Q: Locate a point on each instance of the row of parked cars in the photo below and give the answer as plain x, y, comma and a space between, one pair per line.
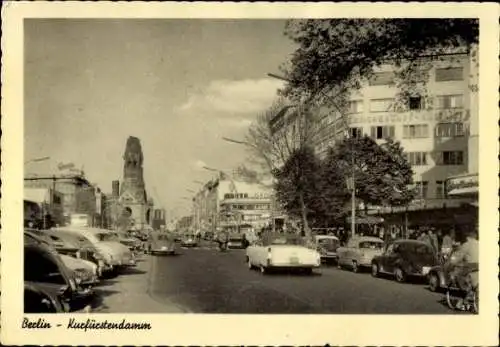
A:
401, 259
63, 265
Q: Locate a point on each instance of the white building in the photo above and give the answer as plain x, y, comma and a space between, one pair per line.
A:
436, 125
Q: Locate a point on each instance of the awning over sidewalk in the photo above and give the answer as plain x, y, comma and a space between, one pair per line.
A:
37, 195
366, 220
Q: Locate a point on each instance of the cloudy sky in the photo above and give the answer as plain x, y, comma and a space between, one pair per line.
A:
178, 85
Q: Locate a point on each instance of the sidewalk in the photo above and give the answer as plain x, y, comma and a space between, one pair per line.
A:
128, 292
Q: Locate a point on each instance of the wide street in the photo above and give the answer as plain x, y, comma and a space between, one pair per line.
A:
204, 280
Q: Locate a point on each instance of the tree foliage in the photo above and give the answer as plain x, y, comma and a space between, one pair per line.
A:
339, 53
382, 174
298, 182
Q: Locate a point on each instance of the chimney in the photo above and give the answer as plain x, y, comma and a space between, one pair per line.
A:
115, 188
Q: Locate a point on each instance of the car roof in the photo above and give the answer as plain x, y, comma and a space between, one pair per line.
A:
366, 238
326, 237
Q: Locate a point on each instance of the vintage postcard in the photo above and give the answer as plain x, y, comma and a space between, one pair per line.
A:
249, 173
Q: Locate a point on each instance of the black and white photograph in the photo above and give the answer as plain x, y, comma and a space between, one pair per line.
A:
271, 166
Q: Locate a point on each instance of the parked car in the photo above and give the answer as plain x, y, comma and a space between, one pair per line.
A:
359, 252
44, 267
161, 243
85, 272
133, 243
78, 246
38, 300
189, 241
285, 251
115, 253
405, 258
327, 246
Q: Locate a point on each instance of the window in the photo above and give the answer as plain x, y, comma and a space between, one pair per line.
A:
382, 132
449, 74
382, 78
440, 189
422, 189
416, 158
449, 101
449, 129
355, 132
415, 131
415, 103
450, 158
356, 106
381, 105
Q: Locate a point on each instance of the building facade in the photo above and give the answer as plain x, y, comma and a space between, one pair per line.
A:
435, 122
232, 204
77, 193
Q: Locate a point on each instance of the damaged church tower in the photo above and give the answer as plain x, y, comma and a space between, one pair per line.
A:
133, 197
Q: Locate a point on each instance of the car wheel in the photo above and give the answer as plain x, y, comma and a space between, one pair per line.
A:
433, 282
400, 275
355, 267
375, 272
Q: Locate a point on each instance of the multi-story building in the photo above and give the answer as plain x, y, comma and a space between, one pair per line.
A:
78, 194
232, 204
436, 124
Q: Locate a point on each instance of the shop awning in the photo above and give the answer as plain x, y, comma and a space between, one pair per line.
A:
37, 195
464, 191
366, 220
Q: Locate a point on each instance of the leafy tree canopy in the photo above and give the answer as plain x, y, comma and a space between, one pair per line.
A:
382, 174
297, 182
338, 53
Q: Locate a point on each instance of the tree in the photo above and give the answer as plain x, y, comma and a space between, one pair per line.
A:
339, 53
330, 205
382, 174
297, 184
281, 130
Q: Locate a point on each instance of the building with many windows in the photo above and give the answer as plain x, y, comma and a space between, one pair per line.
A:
435, 122
232, 204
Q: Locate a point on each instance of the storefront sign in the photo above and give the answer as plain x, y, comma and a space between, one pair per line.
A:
468, 184
410, 117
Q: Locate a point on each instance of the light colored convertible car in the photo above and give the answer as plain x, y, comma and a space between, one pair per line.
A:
285, 251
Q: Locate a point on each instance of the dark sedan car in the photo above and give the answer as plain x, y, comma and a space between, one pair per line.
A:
405, 258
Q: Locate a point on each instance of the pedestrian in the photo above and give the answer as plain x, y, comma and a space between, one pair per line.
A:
433, 240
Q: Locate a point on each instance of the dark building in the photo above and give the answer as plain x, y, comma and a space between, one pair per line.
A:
133, 195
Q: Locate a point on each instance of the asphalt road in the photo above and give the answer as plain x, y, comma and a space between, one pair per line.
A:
204, 280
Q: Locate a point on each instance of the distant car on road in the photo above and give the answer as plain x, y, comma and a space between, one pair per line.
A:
236, 241
327, 246
161, 243
285, 251
405, 258
359, 252
189, 241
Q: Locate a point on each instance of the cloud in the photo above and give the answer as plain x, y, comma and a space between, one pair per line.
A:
232, 97
199, 164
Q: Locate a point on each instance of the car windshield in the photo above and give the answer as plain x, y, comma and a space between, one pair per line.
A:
371, 245
328, 244
286, 241
107, 237
422, 249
